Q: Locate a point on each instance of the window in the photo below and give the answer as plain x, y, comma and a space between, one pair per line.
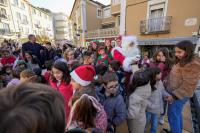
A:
115, 2
99, 13
16, 2
25, 20
107, 13
3, 2
22, 5
155, 17
18, 16
3, 13
118, 20
6, 27
34, 11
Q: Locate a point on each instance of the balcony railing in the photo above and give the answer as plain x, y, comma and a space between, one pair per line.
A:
103, 33
155, 25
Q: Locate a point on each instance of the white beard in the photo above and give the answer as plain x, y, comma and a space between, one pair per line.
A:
131, 51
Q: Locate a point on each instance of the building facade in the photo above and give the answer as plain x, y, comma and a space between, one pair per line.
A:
62, 28
93, 21
161, 23
18, 18
156, 23
6, 22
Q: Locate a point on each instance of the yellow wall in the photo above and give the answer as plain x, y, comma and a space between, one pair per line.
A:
115, 9
108, 20
179, 10
93, 22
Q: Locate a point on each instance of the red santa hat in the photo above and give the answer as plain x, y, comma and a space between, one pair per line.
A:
83, 75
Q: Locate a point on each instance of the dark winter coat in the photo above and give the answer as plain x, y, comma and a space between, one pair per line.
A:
114, 106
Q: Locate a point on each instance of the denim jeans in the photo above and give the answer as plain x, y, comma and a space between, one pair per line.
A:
153, 119
175, 115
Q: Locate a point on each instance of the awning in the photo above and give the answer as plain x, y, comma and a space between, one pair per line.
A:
167, 41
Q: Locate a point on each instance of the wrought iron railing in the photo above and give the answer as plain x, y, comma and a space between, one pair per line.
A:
156, 25
101, 33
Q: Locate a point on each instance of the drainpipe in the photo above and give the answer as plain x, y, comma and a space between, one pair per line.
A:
83, 19
123, 18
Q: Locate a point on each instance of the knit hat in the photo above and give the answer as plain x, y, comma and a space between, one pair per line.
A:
83, 75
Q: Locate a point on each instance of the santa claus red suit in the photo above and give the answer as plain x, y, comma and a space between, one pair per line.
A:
128, 53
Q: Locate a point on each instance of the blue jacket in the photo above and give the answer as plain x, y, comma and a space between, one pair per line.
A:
114, 106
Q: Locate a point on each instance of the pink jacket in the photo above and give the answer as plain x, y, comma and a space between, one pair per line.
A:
67, 91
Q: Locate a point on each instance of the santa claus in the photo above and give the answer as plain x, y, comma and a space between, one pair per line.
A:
126, 52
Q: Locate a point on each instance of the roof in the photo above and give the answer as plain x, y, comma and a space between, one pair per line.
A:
96, 2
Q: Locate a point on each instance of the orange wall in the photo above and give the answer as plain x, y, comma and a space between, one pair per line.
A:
179, 12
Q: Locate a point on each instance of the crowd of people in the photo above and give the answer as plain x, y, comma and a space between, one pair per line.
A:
52, 89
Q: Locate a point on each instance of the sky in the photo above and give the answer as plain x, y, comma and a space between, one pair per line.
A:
60, 5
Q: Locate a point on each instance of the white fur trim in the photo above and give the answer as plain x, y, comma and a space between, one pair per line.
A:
78, 79
128, 62
118, 49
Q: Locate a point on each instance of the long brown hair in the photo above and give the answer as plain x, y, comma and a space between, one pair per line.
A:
165, 51
85, 113
189, 49
31, 108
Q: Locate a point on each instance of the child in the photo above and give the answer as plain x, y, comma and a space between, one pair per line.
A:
41, 78
82, 78
7, 75
103, 57
155, 102
115, 66
145, 62
27, 76
31, 60
47, 73
83, 113
88, 58
60, 80
31, 108
16, 77
110, 98
100, 70
21, 64
162, 60
182, 82
7, 59
141, 85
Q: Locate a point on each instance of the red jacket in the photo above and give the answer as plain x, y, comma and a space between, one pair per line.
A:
8, 60
67, 91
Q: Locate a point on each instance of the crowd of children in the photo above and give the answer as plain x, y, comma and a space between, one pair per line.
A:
90, 88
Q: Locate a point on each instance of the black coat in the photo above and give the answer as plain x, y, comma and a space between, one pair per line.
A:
35, 48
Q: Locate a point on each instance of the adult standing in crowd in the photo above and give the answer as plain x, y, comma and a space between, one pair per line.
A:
182, 83
34, 47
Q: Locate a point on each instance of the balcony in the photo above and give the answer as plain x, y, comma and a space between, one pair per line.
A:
103, 33
156, 25
4, 16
